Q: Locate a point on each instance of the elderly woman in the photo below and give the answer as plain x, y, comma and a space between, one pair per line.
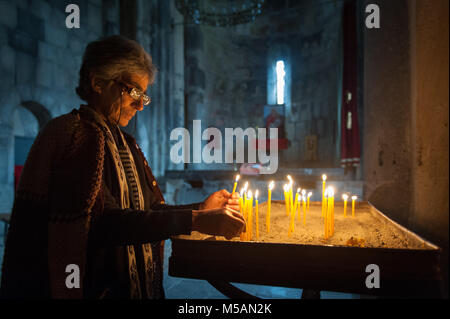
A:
89, 220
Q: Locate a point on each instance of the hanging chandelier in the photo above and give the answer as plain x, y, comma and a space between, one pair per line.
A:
219, 13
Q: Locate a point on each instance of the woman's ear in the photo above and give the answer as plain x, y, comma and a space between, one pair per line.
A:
95, 84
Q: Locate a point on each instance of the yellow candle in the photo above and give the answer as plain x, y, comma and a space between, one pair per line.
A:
246, 202
241, 201
247, 215
271, 185
242, 207
329, 217
345, 198
296, 199
250, 215
286, 198
235, 183
291, 224
292, 217
245, 187
353, 205
304, 209
256, 214
291, 196
307, 206
330, 211
324, 178
297, 207
332, 215
325, 223
304, 205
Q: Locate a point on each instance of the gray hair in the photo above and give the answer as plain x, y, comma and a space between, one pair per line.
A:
109, 59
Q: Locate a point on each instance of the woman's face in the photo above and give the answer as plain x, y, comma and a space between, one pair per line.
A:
118, 99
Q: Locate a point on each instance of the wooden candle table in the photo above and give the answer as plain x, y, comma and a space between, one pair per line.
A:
408, 266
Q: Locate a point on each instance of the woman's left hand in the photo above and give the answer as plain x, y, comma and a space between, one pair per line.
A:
222, 199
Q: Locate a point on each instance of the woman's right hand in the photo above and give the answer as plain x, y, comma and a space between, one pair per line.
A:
218, 222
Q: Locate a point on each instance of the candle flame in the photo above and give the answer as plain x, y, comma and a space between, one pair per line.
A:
290, 181
241, 192
271, 185
237, 177
309, 194
245, 186
324, 177
285, 187
354, 197
345, 197
298, 190
250, 194
303, 192
330, 191
256, 194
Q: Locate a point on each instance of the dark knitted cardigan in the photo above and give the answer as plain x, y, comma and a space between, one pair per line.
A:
59, 195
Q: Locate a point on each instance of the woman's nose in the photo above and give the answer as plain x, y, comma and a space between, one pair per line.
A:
139, 105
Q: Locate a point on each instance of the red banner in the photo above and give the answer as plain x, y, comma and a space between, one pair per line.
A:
350, 144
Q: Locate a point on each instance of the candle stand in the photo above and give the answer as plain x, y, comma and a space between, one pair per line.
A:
403, 273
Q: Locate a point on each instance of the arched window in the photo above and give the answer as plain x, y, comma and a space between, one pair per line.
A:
281, 83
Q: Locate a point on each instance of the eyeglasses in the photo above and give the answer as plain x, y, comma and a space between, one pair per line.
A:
135, 93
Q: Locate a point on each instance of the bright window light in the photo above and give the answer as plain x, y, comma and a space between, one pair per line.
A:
280, 81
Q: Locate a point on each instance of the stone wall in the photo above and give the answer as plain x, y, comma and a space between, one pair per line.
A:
387, 111
40, 60
163, 33
227, 75
406, 135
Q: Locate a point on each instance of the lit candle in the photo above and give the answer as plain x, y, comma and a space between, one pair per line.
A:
235, 183
245, 187
353, 205
241, 207
325, 223
241, 202
291, 196
345, 198
256, 214
246, 202
309, 196
330, 207
304, 209
291, 225
297, 208
250, 215
296, 199
304, 204
324, 178
286, 199
271, 185
332, 214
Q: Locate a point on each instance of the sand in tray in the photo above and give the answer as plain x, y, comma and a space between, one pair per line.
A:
367, 229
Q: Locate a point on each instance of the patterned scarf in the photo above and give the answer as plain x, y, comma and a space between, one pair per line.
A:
126, 170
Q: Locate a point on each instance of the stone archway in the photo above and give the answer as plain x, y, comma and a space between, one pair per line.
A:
28, 119
39, 111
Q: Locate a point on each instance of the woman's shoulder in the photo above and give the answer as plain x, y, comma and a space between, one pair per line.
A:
69, 131
67, 124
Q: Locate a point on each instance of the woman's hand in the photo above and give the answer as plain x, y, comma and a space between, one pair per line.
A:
218, 222
221, 199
